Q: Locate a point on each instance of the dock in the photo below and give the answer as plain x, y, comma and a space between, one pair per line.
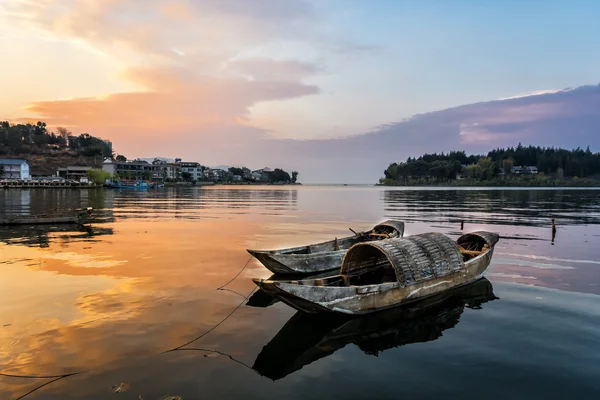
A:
42, 184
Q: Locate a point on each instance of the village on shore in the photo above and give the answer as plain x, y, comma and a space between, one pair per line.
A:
31, 156
120, 172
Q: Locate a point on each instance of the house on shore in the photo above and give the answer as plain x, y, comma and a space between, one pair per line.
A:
517, 170
75, 173
136, 169
192, 168
14, 169
216, 174
528, 169
262, 175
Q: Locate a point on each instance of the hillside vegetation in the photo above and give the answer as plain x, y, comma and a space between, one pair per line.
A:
553, 166
45, 151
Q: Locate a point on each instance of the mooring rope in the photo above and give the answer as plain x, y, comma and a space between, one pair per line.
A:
238, 274
216, 326
55, 378
39, 376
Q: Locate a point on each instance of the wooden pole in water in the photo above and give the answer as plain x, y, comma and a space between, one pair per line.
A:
553, 231
462, 224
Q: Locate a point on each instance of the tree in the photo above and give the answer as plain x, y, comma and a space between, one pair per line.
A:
294, 176
279, 175
147, 175
98, 176
121, 158
507, 165
64, 133
1, 171
236, 171
186, 176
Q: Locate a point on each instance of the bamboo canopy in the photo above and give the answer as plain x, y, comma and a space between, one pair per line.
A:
416, 258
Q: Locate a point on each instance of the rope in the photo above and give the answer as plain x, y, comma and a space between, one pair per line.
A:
238, 274
41, 386
40, 376
55, 378
221, 353
216, 326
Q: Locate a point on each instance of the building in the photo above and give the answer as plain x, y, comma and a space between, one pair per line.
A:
173, 172
237, 178
73, 173
160, 170
137, 169
192, 168
516, 170
247, 173
216, 174
14, 169
531, 169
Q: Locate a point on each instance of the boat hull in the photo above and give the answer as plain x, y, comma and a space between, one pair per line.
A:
317, 257
312, 298
299, 263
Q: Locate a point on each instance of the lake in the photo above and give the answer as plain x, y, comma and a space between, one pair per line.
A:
103, 313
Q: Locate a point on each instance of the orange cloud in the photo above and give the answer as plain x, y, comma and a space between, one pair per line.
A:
175, 98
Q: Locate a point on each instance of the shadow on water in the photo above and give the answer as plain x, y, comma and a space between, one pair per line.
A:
306, 338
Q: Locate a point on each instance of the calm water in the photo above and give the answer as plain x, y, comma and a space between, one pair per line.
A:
107, 304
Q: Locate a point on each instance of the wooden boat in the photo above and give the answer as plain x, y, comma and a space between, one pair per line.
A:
325, 256
386, 273
306, 338
80, 218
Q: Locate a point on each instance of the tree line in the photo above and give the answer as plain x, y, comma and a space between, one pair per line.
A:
17, 139
551, 163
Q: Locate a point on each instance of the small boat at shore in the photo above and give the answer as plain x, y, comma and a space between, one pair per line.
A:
127, 184
80, 218
325, 256
382, 274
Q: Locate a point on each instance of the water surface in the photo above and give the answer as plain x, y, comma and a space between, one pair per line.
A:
108, 303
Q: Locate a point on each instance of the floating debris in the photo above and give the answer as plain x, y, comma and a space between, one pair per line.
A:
169, 397
122, 387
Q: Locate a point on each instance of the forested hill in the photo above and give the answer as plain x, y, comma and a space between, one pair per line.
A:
46, 150
514, 165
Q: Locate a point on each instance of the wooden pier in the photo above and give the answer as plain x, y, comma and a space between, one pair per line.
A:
43, 184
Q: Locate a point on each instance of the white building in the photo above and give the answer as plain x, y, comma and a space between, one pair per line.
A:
192, 168
14, 169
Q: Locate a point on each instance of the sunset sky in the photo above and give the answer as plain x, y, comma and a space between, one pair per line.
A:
327, 87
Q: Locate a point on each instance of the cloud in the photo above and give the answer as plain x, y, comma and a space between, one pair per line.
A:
172, 99
199, 68
269, 69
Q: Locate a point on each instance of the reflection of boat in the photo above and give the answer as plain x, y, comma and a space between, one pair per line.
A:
322, 256
81, 217
306, 338
42, 235
387, 273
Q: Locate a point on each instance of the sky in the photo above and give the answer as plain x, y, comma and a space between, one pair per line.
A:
335, 89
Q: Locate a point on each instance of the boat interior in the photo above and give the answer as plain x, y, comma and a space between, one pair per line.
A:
377, 233
368, 265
